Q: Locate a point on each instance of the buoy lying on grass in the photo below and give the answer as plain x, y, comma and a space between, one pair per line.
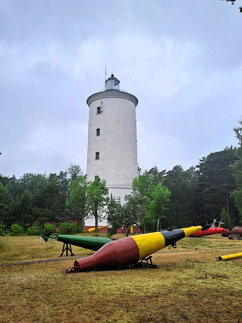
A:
92, 243
228, 257
212, 230
93, 229
234, 234
130, 250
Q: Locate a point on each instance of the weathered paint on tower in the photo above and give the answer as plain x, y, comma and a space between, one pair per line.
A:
112, 138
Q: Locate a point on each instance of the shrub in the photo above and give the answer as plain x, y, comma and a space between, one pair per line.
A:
2, 229
49, 228
66, 227
35, 230
16, 230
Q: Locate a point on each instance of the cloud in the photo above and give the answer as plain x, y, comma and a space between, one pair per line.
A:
181, 59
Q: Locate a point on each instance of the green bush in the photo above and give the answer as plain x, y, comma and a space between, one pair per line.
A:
16, 230
49, 228
66, 227
35, 230
2, 229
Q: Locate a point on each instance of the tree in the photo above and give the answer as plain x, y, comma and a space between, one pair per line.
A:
49, 197
225, 218
76, 200
74, 171
238, 133
158, 177
145, 204
131, 212
215, 184
35, 197
181, 183
237, 174
2, 229
137, 202
96, 199
3, 197
135, 210
26, 217
29, 181
144, 184
4, 202
160, 199
237, 192
115, 214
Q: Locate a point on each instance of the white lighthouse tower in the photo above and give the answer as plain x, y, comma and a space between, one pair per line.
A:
112, 138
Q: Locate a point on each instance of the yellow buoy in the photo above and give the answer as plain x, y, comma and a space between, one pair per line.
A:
93, 229
227, 257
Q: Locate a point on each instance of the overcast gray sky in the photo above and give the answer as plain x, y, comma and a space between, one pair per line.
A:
182, 59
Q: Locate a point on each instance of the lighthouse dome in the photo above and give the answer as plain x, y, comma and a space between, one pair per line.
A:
112, 83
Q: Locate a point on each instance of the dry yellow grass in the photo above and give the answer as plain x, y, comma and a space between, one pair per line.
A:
189, 286
21, 248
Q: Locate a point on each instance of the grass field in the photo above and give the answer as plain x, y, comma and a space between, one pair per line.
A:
189, 285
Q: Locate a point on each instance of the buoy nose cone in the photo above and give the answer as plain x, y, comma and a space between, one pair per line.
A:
191, 230
85, 263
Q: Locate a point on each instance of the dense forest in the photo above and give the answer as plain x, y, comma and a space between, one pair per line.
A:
163, 199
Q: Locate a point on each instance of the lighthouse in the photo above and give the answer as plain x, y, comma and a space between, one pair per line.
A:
112, 139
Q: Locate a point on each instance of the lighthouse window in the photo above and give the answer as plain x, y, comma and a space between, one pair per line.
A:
98, 110
98, 132
117, 199
97, 155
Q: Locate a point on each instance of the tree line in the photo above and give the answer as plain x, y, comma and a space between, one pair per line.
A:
160, 199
